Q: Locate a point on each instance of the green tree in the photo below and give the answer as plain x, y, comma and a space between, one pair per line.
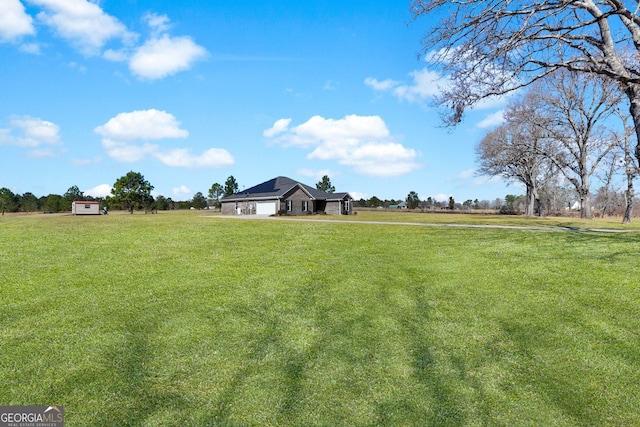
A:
171, 205
375, 202
199, 201
230, 186
8, 200
161, 203
325, 185
55, 203
412, 200
74, 193
452, 203
28, 202
510, 206
133, 191
215, 192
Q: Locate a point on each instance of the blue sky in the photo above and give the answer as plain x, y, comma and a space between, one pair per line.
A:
188, 93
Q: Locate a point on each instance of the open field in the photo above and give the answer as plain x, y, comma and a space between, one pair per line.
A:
182, 319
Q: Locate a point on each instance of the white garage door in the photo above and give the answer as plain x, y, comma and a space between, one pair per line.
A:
266, 208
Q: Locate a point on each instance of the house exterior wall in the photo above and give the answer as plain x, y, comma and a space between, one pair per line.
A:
243, 207
337, 207
333, 208
299, 199
240, 207
228, 208
296, 200
248, 206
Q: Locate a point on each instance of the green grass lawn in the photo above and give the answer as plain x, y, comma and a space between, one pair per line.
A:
180, 319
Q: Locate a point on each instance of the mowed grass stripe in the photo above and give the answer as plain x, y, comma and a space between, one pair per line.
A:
175, 319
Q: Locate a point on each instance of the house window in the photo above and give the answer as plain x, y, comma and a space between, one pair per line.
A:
305, 205
87, 206
289, 205
346, 206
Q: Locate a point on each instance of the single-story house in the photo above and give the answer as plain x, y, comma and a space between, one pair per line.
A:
401, 205
282, 194
82, 207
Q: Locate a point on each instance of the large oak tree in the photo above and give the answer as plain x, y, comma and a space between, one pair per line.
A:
133, 191
492, 47
514, 151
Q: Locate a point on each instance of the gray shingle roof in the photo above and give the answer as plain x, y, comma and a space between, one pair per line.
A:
278, 187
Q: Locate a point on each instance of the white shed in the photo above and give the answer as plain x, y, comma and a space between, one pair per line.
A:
82, 207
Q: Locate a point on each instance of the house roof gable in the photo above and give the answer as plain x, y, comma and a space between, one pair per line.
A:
280, 186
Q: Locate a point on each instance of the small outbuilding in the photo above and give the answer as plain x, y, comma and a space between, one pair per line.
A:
83, 207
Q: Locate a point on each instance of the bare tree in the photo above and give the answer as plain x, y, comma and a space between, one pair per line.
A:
514, 151
606, 196
630, 168
492, 47
574, 109
556, 195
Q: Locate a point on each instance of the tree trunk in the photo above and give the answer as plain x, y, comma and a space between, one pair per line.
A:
530, 202
540, 207
585, 206
633, 93
628, 195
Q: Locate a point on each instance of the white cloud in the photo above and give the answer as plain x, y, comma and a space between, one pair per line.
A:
469, 173
125, 139
441, 197
158, 23
493, 102
83, 23
119, 55
182, 157
142, 125
127, 152
14, 21
315, 174
341, 133
384, 85
358, 195
101, 190
492, 120
182, 191
35, 131
32, 48
38, 136
278, 127
361, 142
165, 56
425, 84
90, 30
